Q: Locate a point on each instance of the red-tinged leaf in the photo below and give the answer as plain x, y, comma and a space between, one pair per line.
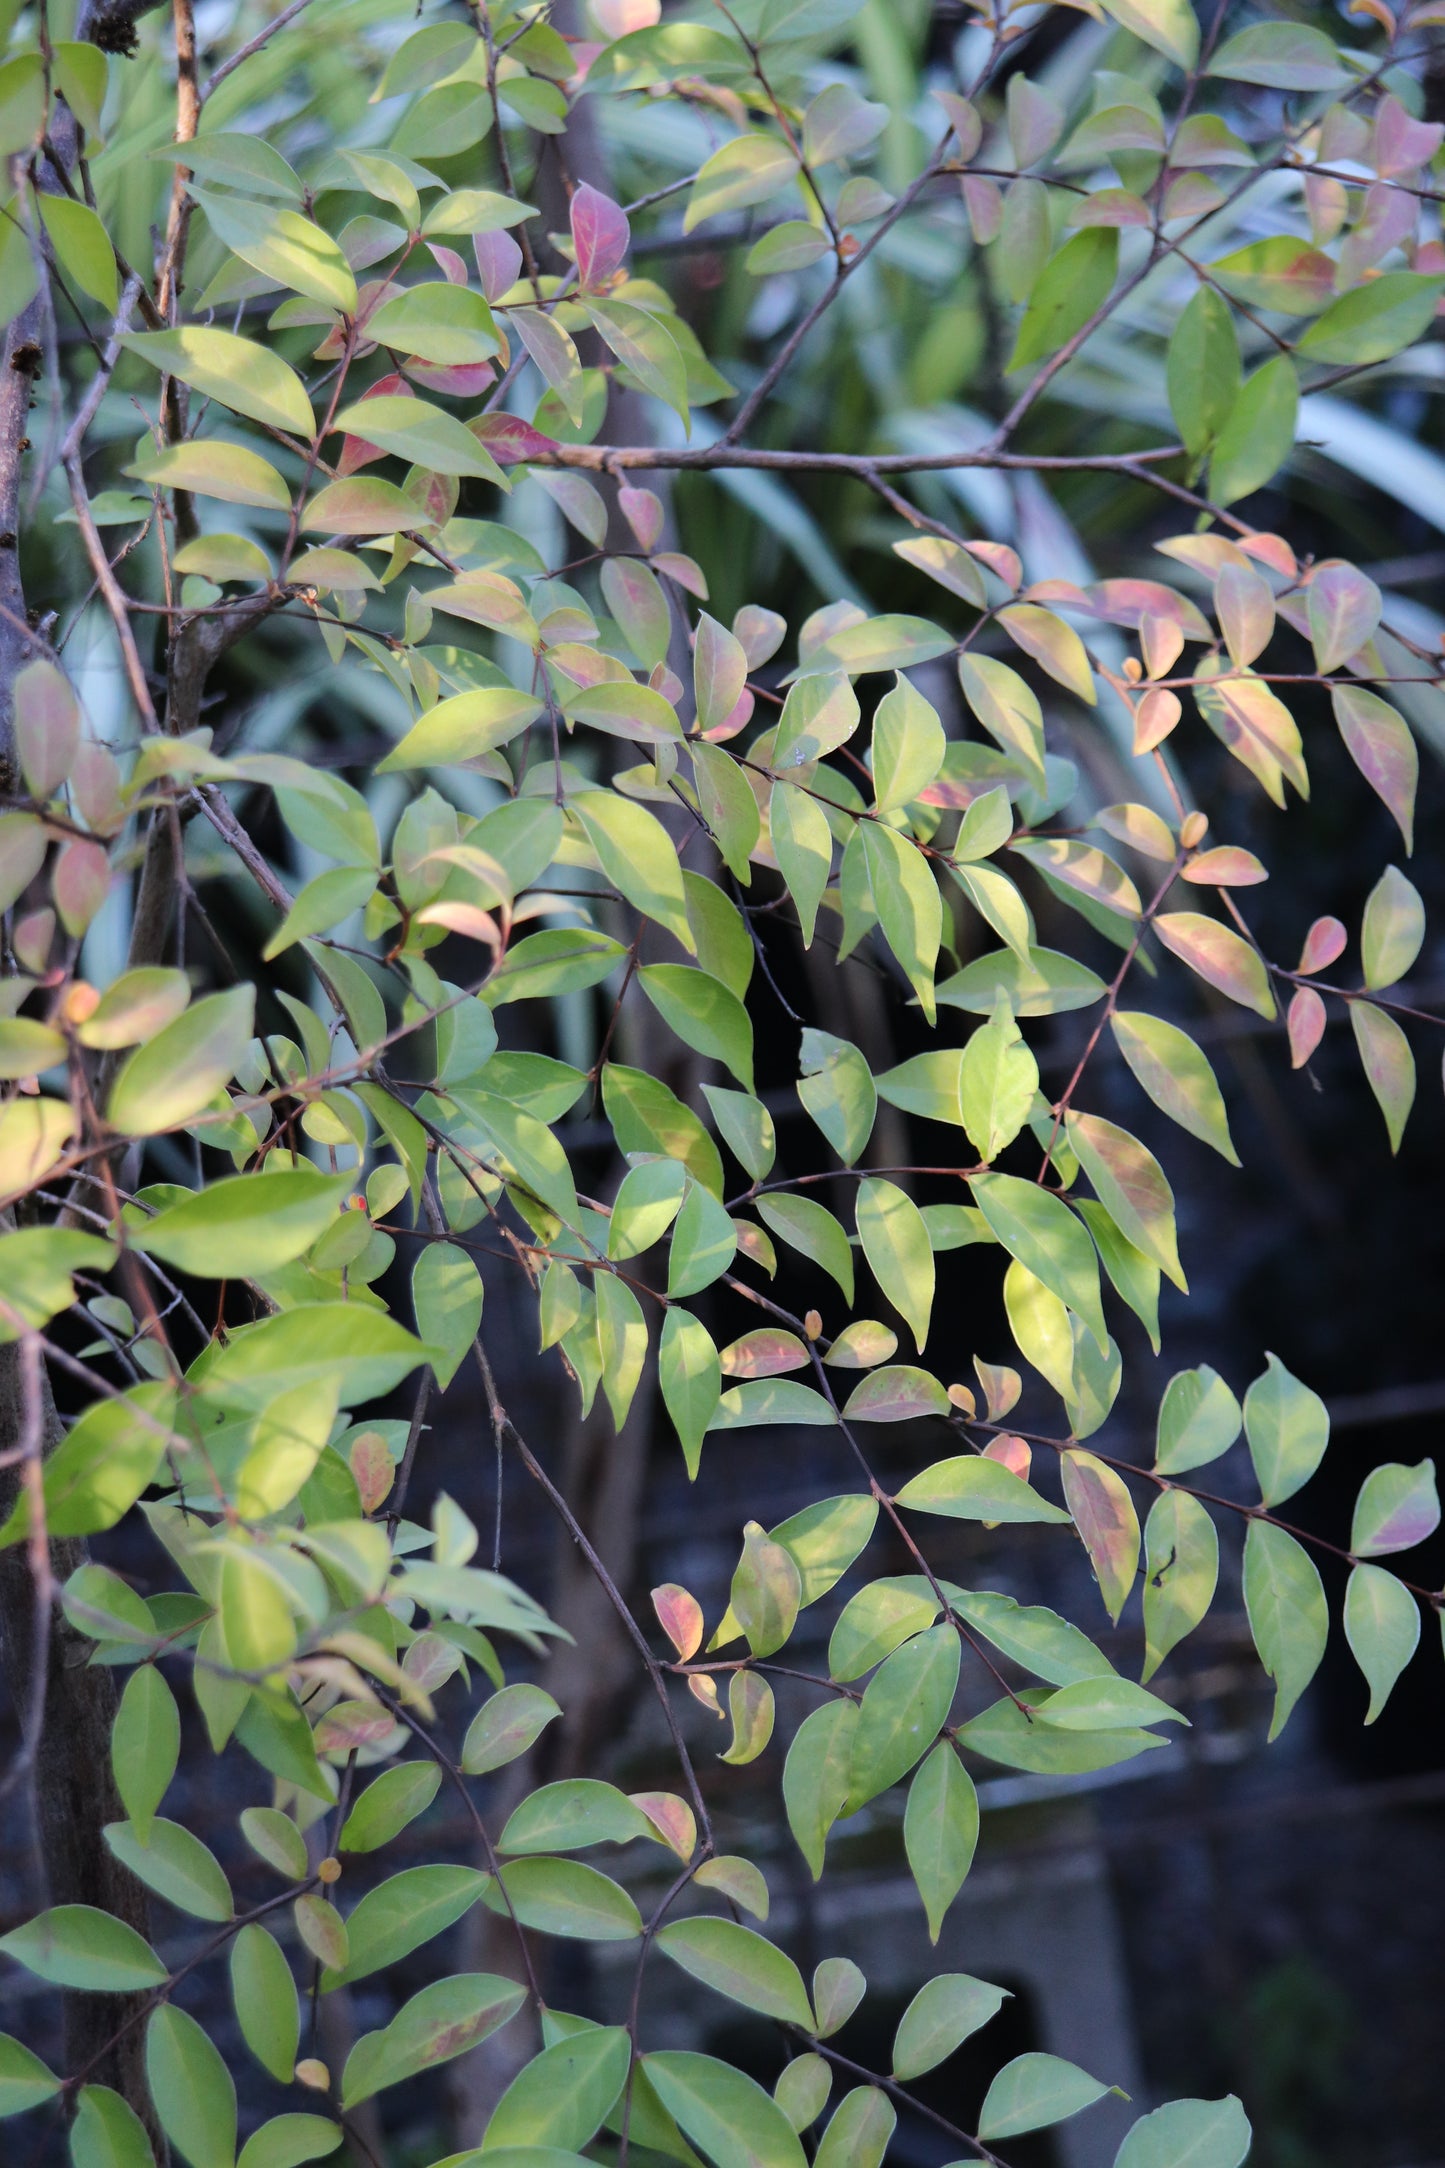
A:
642, 510
1271, 550
1306, 1022
1219, 956
453, 379
1388, 1063
1323, 943
680, 1616
509, 439
1381, 745
671, 1817
1397, 1508
766, 1353
1011, 1452
1055, 646
1244, 605
1161, 643
449, 263
1258, 729
499, 262
1131, 1185
1344, 612
600, 234
1126, 602
1225, 867
1154, 718
356, 451
1003, 562
1001, 1387
80, 883
983, 201
1103, 1512
719, 673
898, 1394
373, 1467
47, 726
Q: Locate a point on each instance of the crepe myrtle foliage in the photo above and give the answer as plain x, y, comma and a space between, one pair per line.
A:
308, 315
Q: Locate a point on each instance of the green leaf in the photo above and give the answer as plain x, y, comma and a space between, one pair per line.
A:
997, 1080
79, 1946
400, 1914
437, 322
741, 1964
363, 1351
192, 2089
691, 1380
566, 1897
1032, 1636
1039, 1230
565, 1816
465, 726
287, 249
1033, 2091
748, 169
1075, 282
1171, 27
173, 1861
288, 2140
910, 910
564, 2095
838, 1091
803, 2087
444, 2020
506, 1726
170, 1079
1103, 1512
145, 1745
811, 1228
647, 1117
1382, 1626
1281, 56
446, 1294
1288, 1428
904, 1707
1199, 1418
972, 1488
1010, 713
1388, 1064
898, 1394
1393, 929
107, 2132
895, 1242
1181, 1572
245, 1227
1176, 1076
728, 805
247, 378
859, 2130
908, 746
388, 1804
726, 2113
940, 1833
1397, 1508
1376, 320
82, 247
942, 2015
803, 846
1188, 2134
1013, 1736
420, 433
1259, 435
705, 1015
1047, 984
1288, 1616
637, 856
24, 2079
816, 1777
766, 1591
1131, 1186
264, 1993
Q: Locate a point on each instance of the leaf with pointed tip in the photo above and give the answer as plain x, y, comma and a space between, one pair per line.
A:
1288, 1615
